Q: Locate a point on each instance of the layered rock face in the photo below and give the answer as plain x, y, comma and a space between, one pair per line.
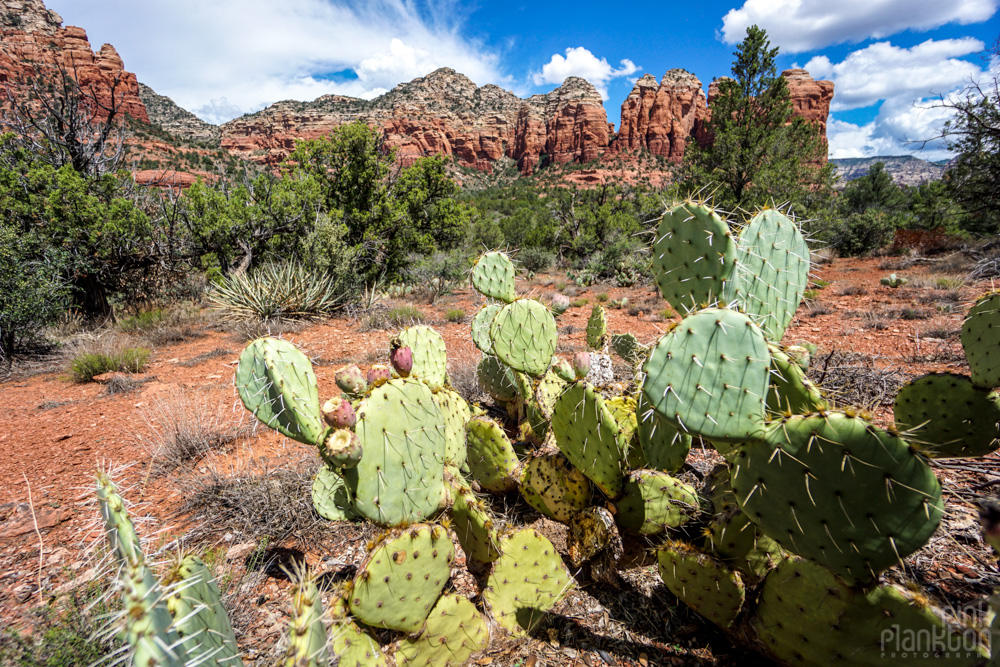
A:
810, 99
33, 41
177, 121
662, 117
441, 113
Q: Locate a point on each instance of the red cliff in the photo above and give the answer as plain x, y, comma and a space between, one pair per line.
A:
661, 118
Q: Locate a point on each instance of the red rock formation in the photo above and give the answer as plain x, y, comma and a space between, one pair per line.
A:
33, 42
810, 99
662, 117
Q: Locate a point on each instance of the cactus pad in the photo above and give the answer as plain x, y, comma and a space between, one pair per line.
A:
400, 478
277, 384
837, 490
430, 358
330, 496
732, 536
481, 324
702, 582
772, 271
628, 347
524, 336
663, 446
454, 631
592, 531
981, 341
587, 434
493, 276
805, 616
353, 646
554, 487
306, 631
455, 413
491, 458
597, 327
200, 619
791, 391
693, 256
474, 526
946, 416
496, 378
527, 580
709, 376
402, 577
654, 501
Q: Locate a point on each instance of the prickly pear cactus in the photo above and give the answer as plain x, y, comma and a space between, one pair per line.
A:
693, 256
474, 525
790, 391
524, 336
402, 578
496, 378
981, 341
837, 490
430, 358
306, 632
772, 271
454, 632
705, 584
194, 601
400, 478
527, 580
455, 413
805, 616
628, 347
493, 276
663, 446
709, 376
330, 496
277, 384
946, 416
654, 501
587, 434
597, 328
353, 646
554, 487
481, 324
490, 456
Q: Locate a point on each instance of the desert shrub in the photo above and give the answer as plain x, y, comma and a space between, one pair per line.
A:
864, 233
437, 274
142, 321
398, 317
455, 315
86, 365
273, 292
536, 259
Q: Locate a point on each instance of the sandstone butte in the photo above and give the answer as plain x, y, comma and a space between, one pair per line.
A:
441, 113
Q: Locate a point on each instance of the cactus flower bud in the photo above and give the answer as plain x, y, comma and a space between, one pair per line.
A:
342, 449
402, 360
350, 380
378, 374
581, 364
339, 413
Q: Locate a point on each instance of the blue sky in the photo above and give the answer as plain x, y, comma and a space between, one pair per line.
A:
222, 58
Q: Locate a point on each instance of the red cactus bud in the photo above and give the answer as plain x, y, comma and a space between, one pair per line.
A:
378, 374
581, 364
350, 380
339, 413
402, 360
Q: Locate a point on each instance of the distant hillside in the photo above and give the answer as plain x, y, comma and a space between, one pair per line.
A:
177, 121
904, 169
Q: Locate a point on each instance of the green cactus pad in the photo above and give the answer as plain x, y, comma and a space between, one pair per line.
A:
790, 391
554, 487
705, 584
663, 446
592, 531
693, 256
837, 490
548, 391
277, 384
353, 646
481, 324
402, 577
454, 632
709, 376
474, 526
527, 580
772, 271
946, 416
490, 456
430, 358
306, 631
731, 536
654, 501
330, 496
400, 478
805, 616
200, 619
493, 276
587, 434
455, 413
629, 348
981, 341
496, 378
622, 408
524, 336
597, 327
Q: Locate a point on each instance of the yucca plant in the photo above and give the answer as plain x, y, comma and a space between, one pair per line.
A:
277, 291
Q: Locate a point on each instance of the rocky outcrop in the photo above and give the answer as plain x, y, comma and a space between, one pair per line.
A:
810, 99
662, 118
177, 121
441, 113
33, 42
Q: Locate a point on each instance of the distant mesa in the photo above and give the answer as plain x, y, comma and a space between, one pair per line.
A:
441, 113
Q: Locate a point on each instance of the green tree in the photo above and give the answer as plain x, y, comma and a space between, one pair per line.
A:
874, 190
759, 151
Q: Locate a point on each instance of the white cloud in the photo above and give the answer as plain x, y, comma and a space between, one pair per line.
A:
581, 62
227, 57
900, 128
883, 71
806, 25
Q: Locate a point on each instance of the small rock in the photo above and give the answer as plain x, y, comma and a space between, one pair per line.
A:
240, 551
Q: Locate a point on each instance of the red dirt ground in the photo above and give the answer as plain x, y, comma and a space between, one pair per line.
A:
54, 433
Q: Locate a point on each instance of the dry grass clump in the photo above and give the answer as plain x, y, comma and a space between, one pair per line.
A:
91, 355
857, 379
